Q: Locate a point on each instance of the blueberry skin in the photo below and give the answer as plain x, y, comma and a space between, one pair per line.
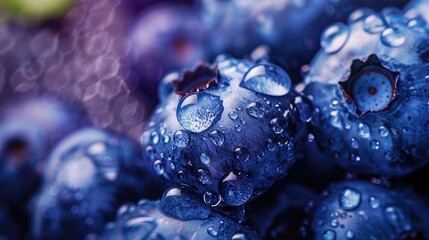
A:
88, 176
390, 141
356, 209
180, 214
252, 140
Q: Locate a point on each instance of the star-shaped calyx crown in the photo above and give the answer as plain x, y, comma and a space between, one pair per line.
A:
202, 77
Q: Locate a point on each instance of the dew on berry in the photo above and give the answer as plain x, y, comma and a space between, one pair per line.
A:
334, 37
267, 79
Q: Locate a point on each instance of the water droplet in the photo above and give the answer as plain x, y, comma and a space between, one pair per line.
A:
359, 14
374, 23
375, 144
267, 79
181, 139
139, 227
354, 143
270, 145
211, 198
205, 159
237, 128
417, 24
238, 236
242, 121
364, 130
275, 126
255, 109
305, 108
393, 36
335, 223
354, 157
150, 152
212, 231
396, 217
198, 111
374, 202
154, 138
349, 199
383, 131
217, 138
334, 37
329, 235
203, 176
166, 85
233, 115
158, 166
235, 189
350, 234
241, 154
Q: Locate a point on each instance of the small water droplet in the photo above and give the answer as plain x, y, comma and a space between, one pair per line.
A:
354, 157
158, 166
374, 202
335, 223
364, 130
237, 128
235, 188
396, 217
267, 79
205, 159
216, 137
275, 126
329, 235
241, 154
334, 37
154, 138
212, 231
255, 109
375, 144
238, 236
233, 115
270, 145
198, 111
203, 176
181, 139
374, 23
393, 36
350, 234
359, 14
305, 108
383, 131
349, 199
211, 198
354, 143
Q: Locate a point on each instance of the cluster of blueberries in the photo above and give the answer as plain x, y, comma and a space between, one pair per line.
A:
285, 140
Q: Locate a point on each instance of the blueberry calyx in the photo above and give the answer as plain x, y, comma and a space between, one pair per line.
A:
202, 77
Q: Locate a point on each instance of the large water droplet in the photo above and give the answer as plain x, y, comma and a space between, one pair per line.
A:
255, 109
198, 111
349, 199
374, 23
329, 235
267, 79
235, 189
393, 36
334, 37
241, 154
216, 137
181, 139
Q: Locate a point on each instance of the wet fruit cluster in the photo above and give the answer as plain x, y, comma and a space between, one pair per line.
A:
211, 119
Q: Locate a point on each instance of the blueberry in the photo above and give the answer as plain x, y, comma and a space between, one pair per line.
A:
372, 101
233, 137
165, 38
357, 209
278, 213
180, 214
88, 175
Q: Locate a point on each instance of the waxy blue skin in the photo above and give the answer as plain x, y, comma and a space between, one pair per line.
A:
370, 219
88, 176
180, 214
263, 168
337, 122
